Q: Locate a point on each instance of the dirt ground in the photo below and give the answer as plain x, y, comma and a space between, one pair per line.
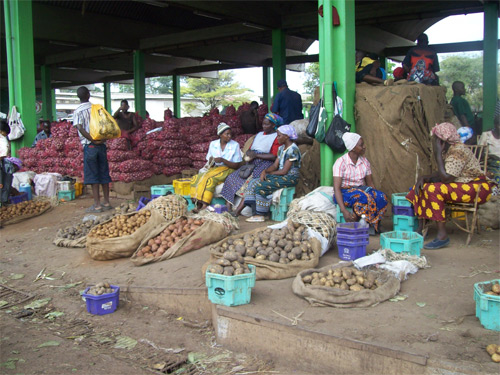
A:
436, 319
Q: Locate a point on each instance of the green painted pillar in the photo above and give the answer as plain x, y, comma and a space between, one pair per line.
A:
107, 97
47, 93
176, 87
53, 104
21, 66
139, 83
337, 49
490, 63
266, 86
279, 58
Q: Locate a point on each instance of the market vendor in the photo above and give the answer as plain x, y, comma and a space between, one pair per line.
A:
261, 155
44, 134
126, 120
284, 173
458, 180
223, 157
491, 139
353, 181
5, 167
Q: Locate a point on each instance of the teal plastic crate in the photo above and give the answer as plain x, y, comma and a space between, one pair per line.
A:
67, 195
287, 195
487, 306
218, 200
278, 213
399, 199
230, 290
340, 215
190, 204
402, 242
162, 189
403, 223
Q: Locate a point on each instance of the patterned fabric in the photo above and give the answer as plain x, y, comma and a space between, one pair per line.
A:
460, 162
231, 152
81, 116
494, 167
488, 139
430, 203
292, 153
366, 201
203, 184
352, 174
447, 132
288, 130
274, 118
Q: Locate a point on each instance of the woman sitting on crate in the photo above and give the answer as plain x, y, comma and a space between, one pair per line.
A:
353, 181
260, 156
282, 174
457, 180
223, 157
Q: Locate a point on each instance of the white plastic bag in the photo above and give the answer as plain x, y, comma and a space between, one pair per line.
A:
16, 125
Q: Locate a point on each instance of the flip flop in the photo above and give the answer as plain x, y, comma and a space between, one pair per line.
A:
93, 209
106, 207
256, 219
436, 244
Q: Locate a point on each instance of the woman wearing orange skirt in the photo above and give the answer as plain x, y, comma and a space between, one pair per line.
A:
458, 180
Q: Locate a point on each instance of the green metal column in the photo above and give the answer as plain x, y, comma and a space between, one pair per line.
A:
47, 93
266, 86
279, 58
337, 49
176, 86
139, 83
21, 65
53, 105
490, 63
107, 96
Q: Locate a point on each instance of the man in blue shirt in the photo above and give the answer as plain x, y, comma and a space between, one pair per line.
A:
44, 134
287, 103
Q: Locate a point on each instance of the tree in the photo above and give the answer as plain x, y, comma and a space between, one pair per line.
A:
160, 85
215, 92
312, 77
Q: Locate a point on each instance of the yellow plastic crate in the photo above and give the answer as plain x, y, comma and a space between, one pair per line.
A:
182, 186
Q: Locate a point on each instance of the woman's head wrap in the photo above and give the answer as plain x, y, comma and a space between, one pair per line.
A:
288, 130
15, 161
274, 118
465, 133
350, 140
222, 128
447, 132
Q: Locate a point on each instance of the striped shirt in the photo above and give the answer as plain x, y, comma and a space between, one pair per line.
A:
352, 174
82, 116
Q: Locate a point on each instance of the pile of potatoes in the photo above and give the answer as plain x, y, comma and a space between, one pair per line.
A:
494, 351
231, 263
276, 245
100, 289
175, 232
345, 278
22, 209
120, 226
495, 290
81, 230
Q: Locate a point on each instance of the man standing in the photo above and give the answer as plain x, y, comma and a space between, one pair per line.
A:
126, 120
287, 103
421, 63
250, 119
95, 161
44, 134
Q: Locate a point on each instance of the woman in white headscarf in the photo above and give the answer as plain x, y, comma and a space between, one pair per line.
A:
353, 181
223, 157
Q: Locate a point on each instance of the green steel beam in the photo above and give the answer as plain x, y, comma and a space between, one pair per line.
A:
107, 96
139, 83
490, 63
279, 58
266, 86
47, 93
21, 65
336, 56
176, 86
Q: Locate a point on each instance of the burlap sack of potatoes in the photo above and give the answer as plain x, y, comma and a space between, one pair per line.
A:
125, 246
267, 270
18, 219
209, 232
64, 242
318, 295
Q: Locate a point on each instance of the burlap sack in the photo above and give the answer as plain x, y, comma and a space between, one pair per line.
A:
300, 127
122, 247
334, 297
64, 242
267, 270
310, 169
18, 219
208, 233
171, 206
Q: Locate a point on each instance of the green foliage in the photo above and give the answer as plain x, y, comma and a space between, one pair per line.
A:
215, 92
160, 85
312, 77
389, 68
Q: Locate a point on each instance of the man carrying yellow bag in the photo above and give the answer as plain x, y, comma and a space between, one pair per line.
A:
93, 130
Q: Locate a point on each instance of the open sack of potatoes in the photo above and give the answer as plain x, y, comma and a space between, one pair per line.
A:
76, 235
120, 236
342, 285
21, 211
177, 237
276, 253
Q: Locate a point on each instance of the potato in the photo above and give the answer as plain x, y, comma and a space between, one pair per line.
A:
283, 260
496, 288
337, 279
215, 268
344, 286
360, 280
260, 257
251, 252
239, 271
368, 284
356, 287
228, 270
315, 282
236, 264
495, 358
322, 280
241, 249
351, 281
491, 349
291, 256
346, 273
307, 279
223, 262
304, 256
274, 257
231, 255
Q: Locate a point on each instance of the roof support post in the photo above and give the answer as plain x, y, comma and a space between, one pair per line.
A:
139, 83
279, 58
336, 57
107, 96
48, 112
176, 88
490, 63
21, 65
266, 86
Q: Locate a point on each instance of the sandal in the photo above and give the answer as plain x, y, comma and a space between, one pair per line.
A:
106, 207
93, 209
437, 244
256, 219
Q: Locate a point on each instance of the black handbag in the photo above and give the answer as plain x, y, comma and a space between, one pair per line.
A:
338, 127
245, 171
313, 120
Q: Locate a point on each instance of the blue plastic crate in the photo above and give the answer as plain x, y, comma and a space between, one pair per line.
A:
340, 215
154, 196
402, 210
402, 242
15, 199
67, 195
399, 199
191, 205
230, 290
402, 223
219, 209
278, 213
143, 201
487, 306
162, 189
351, 250
103, 304
352, 229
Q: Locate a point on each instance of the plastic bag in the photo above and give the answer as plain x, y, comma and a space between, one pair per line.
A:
321, 129
333, 137
102, 125
16, 125
313, 120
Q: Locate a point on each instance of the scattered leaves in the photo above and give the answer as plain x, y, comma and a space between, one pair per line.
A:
49, 343
16, 276
125, 342
38, 303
